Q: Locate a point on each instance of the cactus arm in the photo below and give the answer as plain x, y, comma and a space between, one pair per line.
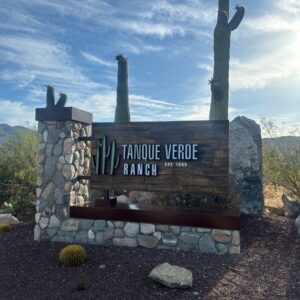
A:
62, 100
108, 152
98, 159
237, 18
117, 162
114, 159
50, 96
103, 156
94, 161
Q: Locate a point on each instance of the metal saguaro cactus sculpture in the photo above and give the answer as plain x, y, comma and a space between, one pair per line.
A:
122, 113
103, 153
50, 101
219, 82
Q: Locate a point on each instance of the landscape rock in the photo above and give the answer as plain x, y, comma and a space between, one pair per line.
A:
172, 276
222, 236
147, 228
125, 242
91, 235
169, 239
175, 229
222, 249
235, 237
147, 241
8, 219
157, 235
70, 225
44, 222
37, 233
108, 234
99, 225
81, 237
207, 244
54, 222
85, 224
190, 238
234, 250
291, 207
245, 165
131, 229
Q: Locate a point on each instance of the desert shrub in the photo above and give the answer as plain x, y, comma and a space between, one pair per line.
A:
18, 171
281, 157
5, 227
72, 255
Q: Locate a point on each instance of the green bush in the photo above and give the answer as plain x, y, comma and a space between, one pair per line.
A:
281, 157
5, 227
72, 255
18, 172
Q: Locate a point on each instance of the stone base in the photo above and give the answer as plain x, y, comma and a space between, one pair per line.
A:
129, 234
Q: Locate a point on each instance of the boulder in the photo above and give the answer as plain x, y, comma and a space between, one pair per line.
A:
291, 207
8, 219
172, 276
245, 165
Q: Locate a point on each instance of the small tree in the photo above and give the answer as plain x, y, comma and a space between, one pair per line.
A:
18, 171
281, 157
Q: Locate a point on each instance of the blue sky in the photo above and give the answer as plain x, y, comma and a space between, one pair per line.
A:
73, 44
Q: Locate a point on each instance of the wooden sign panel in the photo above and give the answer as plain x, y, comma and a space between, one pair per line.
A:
187, 156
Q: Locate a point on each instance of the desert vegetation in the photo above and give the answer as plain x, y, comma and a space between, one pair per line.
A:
18, 172
281, 157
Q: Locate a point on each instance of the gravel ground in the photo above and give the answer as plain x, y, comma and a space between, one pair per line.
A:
268, 268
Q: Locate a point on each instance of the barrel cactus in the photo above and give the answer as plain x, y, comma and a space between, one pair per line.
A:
72, 255
5, 227
219, 83
50, 100
122, 113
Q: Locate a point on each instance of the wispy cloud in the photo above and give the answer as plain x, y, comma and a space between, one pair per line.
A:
95, 59
40, 61
140, 100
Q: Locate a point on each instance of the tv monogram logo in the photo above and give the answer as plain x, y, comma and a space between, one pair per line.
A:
104, 152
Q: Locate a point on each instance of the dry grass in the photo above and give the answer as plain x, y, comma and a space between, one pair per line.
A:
273, 202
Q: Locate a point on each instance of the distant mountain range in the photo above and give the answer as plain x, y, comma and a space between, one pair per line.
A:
7, 130
282, 140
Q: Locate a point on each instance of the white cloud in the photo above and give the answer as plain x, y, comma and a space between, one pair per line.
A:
271, 24
278, 63
291, 7
16, 113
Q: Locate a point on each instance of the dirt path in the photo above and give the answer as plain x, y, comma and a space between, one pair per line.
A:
268, 268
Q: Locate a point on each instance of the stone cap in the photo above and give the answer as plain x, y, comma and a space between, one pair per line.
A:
63, 114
